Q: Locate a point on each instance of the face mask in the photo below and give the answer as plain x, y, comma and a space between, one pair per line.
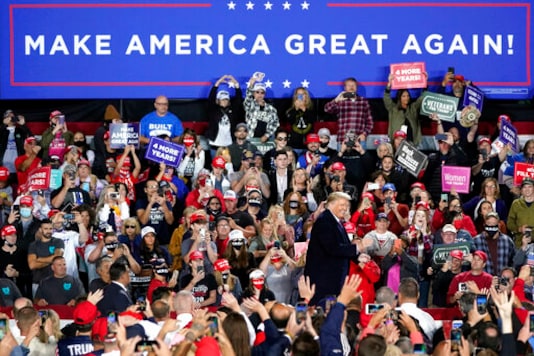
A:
25, 212
112, 246
162, 272
8, 244
189, 141
254, 202
324, 144
258, 283
213, 212
491, 229
293, 204
237, 243
79, 143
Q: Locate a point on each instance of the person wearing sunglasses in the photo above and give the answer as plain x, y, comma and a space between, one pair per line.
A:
281, 137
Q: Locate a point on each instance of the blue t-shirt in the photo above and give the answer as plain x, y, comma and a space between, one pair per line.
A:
152, 125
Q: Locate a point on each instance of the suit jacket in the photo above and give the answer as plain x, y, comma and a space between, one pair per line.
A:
328, 257
115, 299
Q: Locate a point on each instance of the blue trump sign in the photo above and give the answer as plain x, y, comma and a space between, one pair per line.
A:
138, 49
161, 151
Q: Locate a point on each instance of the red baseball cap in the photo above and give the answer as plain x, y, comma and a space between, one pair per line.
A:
312, 137
26, 200
218, 162
198, 216
484, 139
422, 205
505, 118
85, 313
459, 77
53, 212
400, 133
481, 254
418, 185
338, 166
368, 195
457, 254
8, 230
221, 265
196, 255
4, 174
55, 113
29, 140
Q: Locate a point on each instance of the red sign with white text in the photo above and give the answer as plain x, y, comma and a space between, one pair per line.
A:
39, 179
408, 75
521, 171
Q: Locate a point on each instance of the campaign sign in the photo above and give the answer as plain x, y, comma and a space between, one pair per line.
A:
442, 105
139, 49
56, 179
121, 135
522, 171
457, 177
508, 135
39, 179
409, 157
161, 151
474, 97
408, 75
440, 253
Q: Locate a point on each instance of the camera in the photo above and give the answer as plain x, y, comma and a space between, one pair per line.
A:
462, 287
484, 154
68, 217
528, 232
114, 195
350, 143
336, 178
71, 175
349, 95
252, 165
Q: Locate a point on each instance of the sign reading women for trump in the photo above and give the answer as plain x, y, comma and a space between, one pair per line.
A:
136, 48
455, 177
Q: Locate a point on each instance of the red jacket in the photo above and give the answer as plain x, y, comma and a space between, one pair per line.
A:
370, 274
364, 221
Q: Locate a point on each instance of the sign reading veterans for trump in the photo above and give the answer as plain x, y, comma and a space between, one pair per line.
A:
508, 135
440, 253
38, 179
455, 177
408, 75
522, 171
122, 135
139, 48
442, 105
161, 151
409, 157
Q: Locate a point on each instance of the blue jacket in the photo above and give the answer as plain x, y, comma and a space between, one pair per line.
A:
330, 338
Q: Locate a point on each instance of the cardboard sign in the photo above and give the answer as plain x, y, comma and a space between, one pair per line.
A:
56, 178
409, 157
473, 96
522, 171
457, 177
508, 135
162, 151
39, 179
408, 75
440, 253
121, 135
443, 105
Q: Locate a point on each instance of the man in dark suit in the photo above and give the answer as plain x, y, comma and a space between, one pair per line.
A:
330, 250
280, 178
116, 297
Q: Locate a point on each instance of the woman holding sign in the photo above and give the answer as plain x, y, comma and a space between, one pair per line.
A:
403, 112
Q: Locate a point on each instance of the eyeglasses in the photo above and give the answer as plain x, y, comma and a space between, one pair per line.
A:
130, 226
282, 138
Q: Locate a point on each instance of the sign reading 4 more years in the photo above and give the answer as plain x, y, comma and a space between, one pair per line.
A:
161, 151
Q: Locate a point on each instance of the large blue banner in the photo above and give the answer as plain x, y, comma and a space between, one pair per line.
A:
139, 49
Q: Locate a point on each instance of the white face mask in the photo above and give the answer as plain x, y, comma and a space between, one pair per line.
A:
25, 212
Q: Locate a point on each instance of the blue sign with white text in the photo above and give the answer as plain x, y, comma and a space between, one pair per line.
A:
139, 49
162, 151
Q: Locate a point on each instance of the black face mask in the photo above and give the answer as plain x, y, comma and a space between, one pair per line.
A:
237, 243
324, 144
112, 246
162, 272
79, 143
491, 229
254, 202
213, 212
8, 244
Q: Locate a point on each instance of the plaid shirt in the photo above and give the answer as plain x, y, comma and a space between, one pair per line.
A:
254, 114
352, 114
505, 252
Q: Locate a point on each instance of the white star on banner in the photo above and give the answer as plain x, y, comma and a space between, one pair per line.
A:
286, 5
286, 83
231, 85
268, 84
250, 5
268, 5
305, 83
305, 5
231, 5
